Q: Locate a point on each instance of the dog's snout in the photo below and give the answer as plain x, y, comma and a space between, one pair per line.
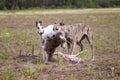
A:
53, 35
63, 40
38, 28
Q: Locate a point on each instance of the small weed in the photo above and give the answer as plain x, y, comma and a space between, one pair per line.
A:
97, 44
3, 55
100, 76
89, 69
51, 76
103, 46
5, 35
59, 60
31, 49
112, 71
40, 60
114, 45
8, 74
86, 55
36, 75
70, 74
72, 77
28, 71
67, 71
7, 49
41, 67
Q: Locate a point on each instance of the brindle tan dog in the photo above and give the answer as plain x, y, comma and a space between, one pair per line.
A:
75, 34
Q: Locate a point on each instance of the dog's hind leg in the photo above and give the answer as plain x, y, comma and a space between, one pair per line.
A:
80, 42
90, 40
73, 47
81, 45
68, 47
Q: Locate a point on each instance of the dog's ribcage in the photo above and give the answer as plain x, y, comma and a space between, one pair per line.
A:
76, 31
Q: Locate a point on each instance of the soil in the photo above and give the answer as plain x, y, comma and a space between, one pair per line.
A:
20, 52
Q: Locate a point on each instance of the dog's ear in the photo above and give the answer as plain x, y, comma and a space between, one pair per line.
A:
55, 29
55, 23
36, 23
40, 22
61, 23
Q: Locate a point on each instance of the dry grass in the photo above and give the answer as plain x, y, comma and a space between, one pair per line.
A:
19, 45
60, 11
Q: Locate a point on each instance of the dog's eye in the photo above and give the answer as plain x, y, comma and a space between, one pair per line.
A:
38, 28
55, 29
53, 35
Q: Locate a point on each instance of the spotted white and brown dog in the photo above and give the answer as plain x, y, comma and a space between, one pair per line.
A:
50, 40
75, 34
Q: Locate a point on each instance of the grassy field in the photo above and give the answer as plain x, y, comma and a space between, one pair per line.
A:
20, 54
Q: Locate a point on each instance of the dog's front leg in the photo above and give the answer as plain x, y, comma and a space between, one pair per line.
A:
43, 54
46, 56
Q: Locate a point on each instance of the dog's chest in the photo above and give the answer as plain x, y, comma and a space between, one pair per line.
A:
50, 46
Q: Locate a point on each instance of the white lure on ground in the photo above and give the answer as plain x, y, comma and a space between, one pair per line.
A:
68, 57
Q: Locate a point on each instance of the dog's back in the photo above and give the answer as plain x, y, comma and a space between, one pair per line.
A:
75, 31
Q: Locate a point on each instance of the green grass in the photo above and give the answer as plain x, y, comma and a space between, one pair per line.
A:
100, 76
6, 35
112, 71
18, 35
3, 55
89, 69
51, 76
60, 11
59, 60
8, 74
28, 71
41, 67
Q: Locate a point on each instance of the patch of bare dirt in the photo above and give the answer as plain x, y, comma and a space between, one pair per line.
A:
28, 66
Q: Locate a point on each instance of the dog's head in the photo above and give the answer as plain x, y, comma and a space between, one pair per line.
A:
57, 38
58, 26
39, 27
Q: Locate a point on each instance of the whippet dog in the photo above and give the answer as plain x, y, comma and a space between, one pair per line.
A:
50, 40
75, 34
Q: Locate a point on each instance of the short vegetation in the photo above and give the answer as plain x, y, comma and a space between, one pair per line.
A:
20, 51
25, 4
